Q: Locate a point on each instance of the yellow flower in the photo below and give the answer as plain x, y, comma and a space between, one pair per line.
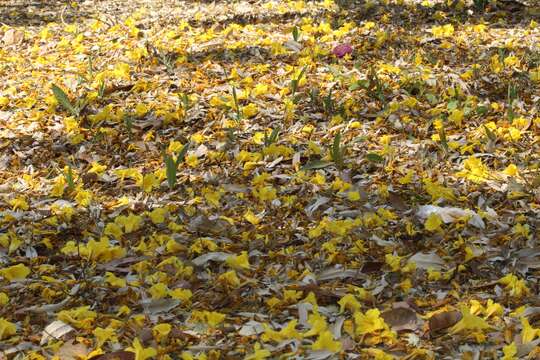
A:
469, 322
192, 160
238, 261
394, 261
229, 278
81, 317
443, 31
97, 168
7, 329
528, 333
15, 272
370, 322
183, 295
515, 286
456, 116
258, 354
121, 71
510, 352
260, 89
19, 203
326, 342
251, 217
158, 291
161, 331
286, 333
433, 222
266, 193
149, 182
407, 178
158, 215
83, 197
511, 170
114, 281
353, 196
474, 170
130, 223
113, 230
250, 110
349, 302
4, 299
142, 353
103, 335
213, 318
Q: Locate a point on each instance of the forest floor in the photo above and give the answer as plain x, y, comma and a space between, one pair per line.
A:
269, 179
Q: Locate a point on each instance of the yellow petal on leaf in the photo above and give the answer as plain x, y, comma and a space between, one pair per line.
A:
7, 329
15, 272
510, 352
251, 217
326, 342
433, 222
469, 323
142, 353
238, 261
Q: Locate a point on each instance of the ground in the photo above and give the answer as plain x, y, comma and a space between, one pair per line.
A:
269, 179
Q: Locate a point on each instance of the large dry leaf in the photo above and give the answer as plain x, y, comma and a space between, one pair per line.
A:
401, 318
56, 330
443, 320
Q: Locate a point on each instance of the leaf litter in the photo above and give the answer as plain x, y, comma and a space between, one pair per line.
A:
269, 179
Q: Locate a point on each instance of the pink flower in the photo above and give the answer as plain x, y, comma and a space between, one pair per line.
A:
342, 50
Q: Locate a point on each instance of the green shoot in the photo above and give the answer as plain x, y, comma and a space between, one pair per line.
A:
171, 165
69, 178
337, 152
269, 140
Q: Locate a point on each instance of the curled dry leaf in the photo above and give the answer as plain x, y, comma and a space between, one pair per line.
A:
56, 330
342, 50
443, 320
401, 318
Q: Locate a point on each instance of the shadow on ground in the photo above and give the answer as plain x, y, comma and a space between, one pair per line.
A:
38, 13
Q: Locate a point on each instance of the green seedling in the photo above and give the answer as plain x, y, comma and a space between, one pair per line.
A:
269, 140
236, 104
296, 82
296, 33
337, 152
69, 178
171, 165
74, 109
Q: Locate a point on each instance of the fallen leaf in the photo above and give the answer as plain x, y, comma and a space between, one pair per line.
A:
444, 320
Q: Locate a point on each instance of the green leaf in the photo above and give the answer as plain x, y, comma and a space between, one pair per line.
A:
452, 105
490, 134
170, 167
182, 154
296, 33
63, 100
373, 157
69, 178
432, 98
316, 164
481, 110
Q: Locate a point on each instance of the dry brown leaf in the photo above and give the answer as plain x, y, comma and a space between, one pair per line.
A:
443, 320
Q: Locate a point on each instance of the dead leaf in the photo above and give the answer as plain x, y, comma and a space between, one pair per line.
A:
117, 355
12, 36
401, 318
72, 351
428, 261
56, 330
443, 320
